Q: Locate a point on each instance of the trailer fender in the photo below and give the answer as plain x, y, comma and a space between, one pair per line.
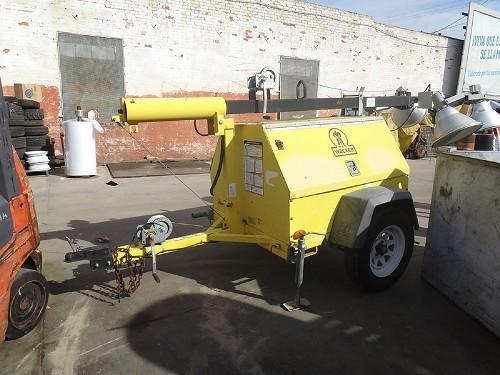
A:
354, 215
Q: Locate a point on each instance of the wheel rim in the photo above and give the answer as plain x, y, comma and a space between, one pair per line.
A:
27, 305
387, 251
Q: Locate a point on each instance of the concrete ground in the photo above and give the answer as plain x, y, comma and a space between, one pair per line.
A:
217, 310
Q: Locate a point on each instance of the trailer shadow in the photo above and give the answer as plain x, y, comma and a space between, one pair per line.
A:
409, 329
351, 334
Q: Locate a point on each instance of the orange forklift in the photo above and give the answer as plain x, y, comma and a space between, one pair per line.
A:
23, 288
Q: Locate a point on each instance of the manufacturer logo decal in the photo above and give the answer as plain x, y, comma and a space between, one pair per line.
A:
341, 146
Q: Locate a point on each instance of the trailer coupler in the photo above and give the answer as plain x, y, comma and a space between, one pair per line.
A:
99, 257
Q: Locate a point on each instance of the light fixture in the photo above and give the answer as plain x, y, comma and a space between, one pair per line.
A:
405, 118
482, 112
495, 105
451, 125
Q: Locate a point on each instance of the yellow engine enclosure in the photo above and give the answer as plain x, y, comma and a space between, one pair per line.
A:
283, 176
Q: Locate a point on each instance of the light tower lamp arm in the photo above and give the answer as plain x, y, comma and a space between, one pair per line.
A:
136, 110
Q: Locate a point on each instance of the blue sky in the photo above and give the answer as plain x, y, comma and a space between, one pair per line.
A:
425, 15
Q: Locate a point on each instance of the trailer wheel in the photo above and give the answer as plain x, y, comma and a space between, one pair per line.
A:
387, 251
28, 299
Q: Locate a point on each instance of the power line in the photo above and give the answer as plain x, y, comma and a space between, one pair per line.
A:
459, 25
457, 20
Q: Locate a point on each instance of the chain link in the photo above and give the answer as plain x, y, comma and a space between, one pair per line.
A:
135, 270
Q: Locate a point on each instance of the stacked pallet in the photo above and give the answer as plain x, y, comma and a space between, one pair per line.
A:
26, 126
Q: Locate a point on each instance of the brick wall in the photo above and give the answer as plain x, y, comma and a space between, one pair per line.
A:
210, 47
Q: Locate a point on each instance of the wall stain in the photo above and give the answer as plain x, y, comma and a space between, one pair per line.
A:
445, 191
248, 35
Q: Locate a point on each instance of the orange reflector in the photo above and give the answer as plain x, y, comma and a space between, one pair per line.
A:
299, 234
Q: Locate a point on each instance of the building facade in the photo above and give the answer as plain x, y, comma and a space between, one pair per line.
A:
90, 53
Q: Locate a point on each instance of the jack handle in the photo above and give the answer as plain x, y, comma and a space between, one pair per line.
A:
153, 257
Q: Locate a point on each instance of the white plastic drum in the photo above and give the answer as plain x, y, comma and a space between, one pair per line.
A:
79, 147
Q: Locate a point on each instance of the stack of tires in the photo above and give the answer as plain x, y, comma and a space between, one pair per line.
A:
26, 126
16, 127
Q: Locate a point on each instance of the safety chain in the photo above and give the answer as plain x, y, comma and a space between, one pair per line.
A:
135, 270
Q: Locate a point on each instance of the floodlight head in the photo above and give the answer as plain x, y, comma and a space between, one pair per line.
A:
405, 118
408, 117
485, 114
451, 125
495, 106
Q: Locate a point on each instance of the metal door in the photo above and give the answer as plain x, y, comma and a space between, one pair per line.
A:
91, 74
298, 78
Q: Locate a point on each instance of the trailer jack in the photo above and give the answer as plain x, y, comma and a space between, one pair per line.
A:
297, 257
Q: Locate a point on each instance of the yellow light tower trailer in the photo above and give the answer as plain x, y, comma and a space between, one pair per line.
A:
290, 187
294, 186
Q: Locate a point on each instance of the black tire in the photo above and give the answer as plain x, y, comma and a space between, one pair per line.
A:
36, 140
38, 148
16, 131
17, 122
36, 130
20, 153
10, 99
15, 112
357, 261
27, 103
19, 142
33, 122
34, 114
29, 287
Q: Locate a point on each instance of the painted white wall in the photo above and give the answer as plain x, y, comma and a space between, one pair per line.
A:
214, 45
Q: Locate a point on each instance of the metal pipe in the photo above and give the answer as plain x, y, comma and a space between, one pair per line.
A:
299, 265
136, 110
298, 302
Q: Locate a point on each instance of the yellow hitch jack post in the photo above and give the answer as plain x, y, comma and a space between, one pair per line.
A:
290, 187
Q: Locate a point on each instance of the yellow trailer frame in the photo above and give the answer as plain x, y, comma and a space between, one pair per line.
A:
301, 171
